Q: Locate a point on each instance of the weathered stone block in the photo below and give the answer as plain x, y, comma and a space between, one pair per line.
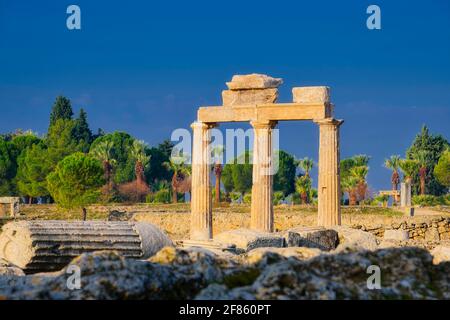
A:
311, 94
354, 239
400, 235
246, 239
432, 234
249, 97
311, 237
253, 81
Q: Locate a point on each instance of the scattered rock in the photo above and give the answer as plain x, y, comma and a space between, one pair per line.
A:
253, 81
7, 269
441, 254
246, 239
407, 273
353, 239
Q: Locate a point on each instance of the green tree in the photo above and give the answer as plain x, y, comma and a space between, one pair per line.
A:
62, 109
410, 168
103, 152
7, 168
121, 146
81, 131
354, 172
442, 169
434, 146
61, 142
76, 181
241, 171
284, 179
303, 187
33, 168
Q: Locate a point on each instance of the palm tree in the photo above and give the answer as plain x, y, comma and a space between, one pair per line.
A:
393, 163
306, 164
177, 164
360, 174
303, 182
422, 157
141, 158
349, 185
104, 153
409, 169
303, 187
218, 168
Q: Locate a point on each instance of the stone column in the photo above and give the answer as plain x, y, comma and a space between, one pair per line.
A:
405, 194
329, 185
201, 201
262, 193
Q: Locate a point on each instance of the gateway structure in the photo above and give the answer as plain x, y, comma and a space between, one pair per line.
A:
252, 98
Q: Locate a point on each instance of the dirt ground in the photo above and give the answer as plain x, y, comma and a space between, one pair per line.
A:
174, 218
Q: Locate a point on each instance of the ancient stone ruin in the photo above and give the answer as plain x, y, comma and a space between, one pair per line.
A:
37, 246
9, 207
253, 98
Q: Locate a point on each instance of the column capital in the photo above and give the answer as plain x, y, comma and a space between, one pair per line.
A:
264, 124
203, 125
329, 121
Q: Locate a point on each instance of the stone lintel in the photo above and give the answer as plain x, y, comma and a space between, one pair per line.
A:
265, 112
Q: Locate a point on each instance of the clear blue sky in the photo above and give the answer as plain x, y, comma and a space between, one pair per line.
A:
145, 66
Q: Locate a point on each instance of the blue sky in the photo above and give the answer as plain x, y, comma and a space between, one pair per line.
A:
145, 66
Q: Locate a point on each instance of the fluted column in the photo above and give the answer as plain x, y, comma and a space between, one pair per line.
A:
262, 193
329, 185
201, 201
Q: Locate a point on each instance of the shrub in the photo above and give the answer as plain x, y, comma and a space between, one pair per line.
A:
428, 200
247, 198
235, 196
278, 196
161, 196
76, 181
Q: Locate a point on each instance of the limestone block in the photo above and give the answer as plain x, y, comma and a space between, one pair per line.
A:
400, 235
355, 239
311, 237
249, 97
432, 234
37, 246
246, 239
440, 254
311, 94
253, 81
